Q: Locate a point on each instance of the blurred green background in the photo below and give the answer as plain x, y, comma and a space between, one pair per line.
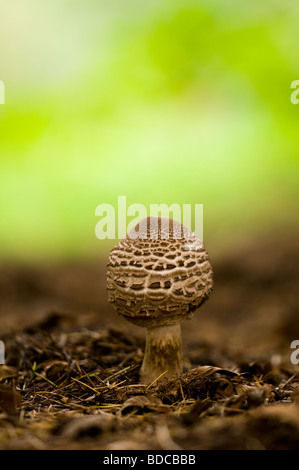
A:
164, 102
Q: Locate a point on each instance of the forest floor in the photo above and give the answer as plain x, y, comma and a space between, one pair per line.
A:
71, 373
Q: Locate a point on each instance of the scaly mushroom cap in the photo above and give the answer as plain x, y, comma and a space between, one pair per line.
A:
159, 273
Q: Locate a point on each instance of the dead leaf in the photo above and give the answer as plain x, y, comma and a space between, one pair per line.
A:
7, 372
201, 382
141, 404
10, 400
87, 426
55, 370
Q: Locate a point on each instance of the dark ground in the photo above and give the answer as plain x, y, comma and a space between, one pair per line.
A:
71, 375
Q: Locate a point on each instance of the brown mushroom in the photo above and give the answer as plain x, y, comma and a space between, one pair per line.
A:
157, 276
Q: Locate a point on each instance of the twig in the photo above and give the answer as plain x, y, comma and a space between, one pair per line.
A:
150, 385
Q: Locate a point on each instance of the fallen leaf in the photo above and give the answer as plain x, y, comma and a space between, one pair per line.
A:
7, 372
10, 400
141, 404
87, 426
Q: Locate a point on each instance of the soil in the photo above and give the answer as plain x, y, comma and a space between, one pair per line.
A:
71, 373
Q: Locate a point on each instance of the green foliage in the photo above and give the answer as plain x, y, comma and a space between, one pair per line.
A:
185, 102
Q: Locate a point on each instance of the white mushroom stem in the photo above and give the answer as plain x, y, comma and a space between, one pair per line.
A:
162, 353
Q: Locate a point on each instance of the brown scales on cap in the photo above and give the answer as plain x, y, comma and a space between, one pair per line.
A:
156, 280
158, 274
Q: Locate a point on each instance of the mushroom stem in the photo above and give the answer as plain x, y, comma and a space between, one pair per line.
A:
162, 352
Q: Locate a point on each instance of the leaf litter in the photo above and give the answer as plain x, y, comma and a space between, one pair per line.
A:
71, 381
80, 388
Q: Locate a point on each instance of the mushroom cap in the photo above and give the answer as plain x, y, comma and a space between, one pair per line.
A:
159, 273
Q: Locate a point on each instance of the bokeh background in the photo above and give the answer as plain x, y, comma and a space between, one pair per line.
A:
163, 102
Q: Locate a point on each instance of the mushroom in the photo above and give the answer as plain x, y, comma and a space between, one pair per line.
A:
156, 277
